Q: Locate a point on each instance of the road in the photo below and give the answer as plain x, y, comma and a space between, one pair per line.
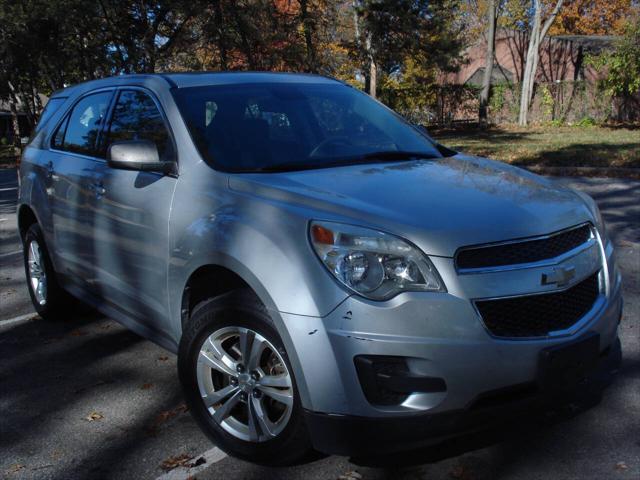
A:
89, 399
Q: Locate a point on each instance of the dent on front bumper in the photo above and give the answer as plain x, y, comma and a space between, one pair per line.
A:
440, 335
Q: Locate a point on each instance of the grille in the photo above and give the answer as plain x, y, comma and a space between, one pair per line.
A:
526, 251
537, 315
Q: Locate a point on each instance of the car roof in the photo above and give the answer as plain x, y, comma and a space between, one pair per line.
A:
194, 79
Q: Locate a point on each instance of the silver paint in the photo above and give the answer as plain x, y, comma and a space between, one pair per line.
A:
129, 241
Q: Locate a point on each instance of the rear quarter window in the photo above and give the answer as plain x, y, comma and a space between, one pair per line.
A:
52, 106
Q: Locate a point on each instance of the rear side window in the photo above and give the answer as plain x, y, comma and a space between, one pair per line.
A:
136, 117
79, 132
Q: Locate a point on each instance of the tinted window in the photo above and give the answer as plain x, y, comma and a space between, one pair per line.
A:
252, 127
136, 117
84, 123
50, 108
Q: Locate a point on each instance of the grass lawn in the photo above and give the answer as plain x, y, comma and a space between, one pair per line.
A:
534, 147
550, 146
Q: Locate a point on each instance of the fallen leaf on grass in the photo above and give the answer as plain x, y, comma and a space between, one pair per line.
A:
93, 416
163, 358
174, 462
146, 386
15, 468
621, 466
352, 475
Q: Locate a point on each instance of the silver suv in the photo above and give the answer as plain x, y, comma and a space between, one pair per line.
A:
331, 278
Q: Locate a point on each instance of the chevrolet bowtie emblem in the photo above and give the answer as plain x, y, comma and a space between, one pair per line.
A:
560, 276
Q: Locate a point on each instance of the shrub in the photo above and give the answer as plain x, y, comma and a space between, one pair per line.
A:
586, 122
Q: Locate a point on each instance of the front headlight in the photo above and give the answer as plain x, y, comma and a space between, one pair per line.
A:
374, 264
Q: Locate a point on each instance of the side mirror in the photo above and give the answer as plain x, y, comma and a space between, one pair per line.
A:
137, 155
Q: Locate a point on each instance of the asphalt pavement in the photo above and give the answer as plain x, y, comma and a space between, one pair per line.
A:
89, 399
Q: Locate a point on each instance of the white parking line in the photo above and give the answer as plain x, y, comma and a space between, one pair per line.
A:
8, 254
20, 319
183, 473
8, 189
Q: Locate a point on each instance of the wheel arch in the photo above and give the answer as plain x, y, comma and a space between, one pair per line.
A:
26, 217
216, 278
208, 281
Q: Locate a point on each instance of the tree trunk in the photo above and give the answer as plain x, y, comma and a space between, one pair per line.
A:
308, 28
13, 107
371, 77
537, 35
373, 69
489, 60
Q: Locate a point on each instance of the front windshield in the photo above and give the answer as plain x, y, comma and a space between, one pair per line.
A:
272, 127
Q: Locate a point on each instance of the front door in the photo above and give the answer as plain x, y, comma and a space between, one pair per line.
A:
132, 215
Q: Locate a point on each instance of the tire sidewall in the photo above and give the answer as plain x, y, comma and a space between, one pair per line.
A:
293, 441
34, 233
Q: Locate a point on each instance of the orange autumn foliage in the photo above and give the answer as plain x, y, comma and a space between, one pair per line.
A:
593, 17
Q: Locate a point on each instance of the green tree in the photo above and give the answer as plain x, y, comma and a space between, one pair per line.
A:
388, 32
622, 66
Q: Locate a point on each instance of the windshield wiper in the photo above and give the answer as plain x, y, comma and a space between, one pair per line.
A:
394, 155
383, 156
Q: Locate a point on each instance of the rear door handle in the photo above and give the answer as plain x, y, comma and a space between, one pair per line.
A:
50, 169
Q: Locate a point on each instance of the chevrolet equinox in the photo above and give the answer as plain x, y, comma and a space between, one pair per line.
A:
331, 278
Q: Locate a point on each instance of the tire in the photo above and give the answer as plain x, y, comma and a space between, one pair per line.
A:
280, 440
51, 302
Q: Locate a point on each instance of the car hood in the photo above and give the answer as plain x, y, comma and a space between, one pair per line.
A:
440, 205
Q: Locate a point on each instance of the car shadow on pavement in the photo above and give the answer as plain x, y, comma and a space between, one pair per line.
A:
88, 394
505, 433
45, 370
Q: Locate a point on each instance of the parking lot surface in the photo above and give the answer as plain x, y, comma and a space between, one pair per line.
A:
86, 398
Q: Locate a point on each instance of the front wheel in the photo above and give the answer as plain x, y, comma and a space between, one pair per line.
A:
239, 384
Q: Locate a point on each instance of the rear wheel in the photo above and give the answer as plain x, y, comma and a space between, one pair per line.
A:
50, 301
239, 384
46, 295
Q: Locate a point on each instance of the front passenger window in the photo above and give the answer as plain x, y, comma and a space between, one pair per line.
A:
136, 117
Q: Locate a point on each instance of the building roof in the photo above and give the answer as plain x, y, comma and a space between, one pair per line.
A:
589, 43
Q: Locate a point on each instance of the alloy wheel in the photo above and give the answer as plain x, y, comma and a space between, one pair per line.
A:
37, 275
245, 384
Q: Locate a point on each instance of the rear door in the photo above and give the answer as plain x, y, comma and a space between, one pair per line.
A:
131, 217
70, 167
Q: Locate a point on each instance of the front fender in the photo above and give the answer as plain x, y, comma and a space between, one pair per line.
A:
262, 241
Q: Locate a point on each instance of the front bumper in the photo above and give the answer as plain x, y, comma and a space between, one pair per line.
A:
441, 336
365, 436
